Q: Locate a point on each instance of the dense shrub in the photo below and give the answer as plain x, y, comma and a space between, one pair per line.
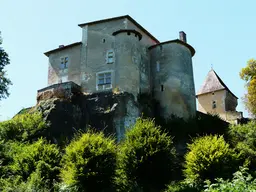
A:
90, 163
32, 165
40, 157
243, 138
241, 182
24, 127
209, 157
181, 187
147, 158
200, 125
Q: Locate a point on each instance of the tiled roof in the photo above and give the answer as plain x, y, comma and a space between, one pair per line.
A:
213, 83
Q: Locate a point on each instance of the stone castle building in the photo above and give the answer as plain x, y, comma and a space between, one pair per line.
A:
215, 97
119, 54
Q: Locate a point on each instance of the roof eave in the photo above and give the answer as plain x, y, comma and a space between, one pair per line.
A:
192, 50
122, 17
62, 48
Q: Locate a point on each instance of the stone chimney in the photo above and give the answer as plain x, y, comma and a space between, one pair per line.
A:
183, 36
60, 46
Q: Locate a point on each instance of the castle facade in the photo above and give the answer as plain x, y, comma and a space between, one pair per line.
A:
119, 54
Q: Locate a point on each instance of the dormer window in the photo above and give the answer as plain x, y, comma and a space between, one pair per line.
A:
63, 62
110, 57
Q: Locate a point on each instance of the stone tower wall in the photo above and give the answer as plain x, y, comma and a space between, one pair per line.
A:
172, 79
128, 59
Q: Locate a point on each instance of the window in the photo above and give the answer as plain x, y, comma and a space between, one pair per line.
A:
63, 62
162, 88
157, 66
110, 57
214, 105
104, 80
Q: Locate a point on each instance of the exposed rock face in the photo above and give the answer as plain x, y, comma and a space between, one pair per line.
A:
106, 111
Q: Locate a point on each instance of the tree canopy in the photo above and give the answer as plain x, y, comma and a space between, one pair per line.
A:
4, 81
248, 74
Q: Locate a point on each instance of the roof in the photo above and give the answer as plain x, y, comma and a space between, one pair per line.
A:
192, 50
213, 83
122, 17
62, 48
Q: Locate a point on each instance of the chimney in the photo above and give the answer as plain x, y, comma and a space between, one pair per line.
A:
60, 46
183, 36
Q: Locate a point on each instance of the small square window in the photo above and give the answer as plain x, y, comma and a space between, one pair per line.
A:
110, 57
63, 62
214, 106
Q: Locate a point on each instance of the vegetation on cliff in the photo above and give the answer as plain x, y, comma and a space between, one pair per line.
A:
150, 158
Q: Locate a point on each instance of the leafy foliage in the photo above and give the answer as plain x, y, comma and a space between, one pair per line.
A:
209, 157
200, 125
90, 162
242, 137
181, 187
4, 81
32, 163
25, 127
242, 181
248, 74
147, 158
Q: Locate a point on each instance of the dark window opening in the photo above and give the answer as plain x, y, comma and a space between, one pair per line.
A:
212, 93
162, 87
103, 40
128, 33
214, 105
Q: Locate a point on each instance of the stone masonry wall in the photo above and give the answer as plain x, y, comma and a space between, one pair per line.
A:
173, 84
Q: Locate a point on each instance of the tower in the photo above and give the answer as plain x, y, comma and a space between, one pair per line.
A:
172, 77
215, 97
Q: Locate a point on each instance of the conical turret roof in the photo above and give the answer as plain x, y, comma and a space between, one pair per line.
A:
212, 83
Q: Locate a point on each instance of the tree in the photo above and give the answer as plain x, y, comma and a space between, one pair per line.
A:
248, 74
4, 81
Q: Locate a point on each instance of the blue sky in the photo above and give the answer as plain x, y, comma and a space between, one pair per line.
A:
222, 33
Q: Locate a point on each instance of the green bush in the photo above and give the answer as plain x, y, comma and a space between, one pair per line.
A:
242, 137
40, 157
181, 187
90, 162
209, 157
147, 158
25, 127
241, 182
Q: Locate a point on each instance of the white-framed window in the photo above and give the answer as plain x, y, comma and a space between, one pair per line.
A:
104, 80
157, 66
110, 57
63, 62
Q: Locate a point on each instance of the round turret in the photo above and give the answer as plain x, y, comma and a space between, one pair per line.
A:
127, 54
172, 78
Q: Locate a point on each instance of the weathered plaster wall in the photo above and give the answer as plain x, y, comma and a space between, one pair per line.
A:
205, 102
225, 105
97, 40
142, 51
131, 57
231, 102
73, 71
173, 84
128, 60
